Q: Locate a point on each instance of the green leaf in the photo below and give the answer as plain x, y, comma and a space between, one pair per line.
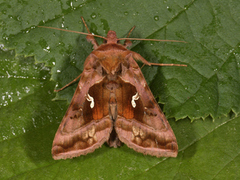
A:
209, 86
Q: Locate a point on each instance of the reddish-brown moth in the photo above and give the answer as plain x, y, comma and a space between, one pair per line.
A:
113, 104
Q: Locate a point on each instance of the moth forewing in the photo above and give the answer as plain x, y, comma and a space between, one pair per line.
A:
150, 133
113, 103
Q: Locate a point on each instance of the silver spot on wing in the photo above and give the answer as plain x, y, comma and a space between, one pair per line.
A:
90, 99
134, 98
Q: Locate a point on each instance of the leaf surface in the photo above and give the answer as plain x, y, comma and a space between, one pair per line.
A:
208, 88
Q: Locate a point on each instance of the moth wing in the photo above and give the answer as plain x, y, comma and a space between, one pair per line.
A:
141, 124
80, 132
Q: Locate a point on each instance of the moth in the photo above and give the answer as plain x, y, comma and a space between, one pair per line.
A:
113, 104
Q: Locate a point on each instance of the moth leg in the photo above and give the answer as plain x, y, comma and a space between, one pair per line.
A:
137, 56
89, 37
144, 61
128, 43
131, 31
161, 64
57, 90
142, 66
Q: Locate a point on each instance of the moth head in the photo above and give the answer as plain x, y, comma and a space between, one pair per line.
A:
112, 37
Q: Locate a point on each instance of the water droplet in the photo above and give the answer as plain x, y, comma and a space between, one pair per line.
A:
73, 62
47, 49
156, 18
5, 137
2, 23
93, 15
27, 43
12, 128
18, 93
34, 122
5, 37
125, 13
2, 46
4, 11
93, 27
105, 25
63, 21
26, 89
169, 9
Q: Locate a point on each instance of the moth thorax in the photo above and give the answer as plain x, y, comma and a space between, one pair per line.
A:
112, 77
117, 70
111, 85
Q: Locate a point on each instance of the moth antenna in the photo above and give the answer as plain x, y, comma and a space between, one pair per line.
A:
158, 40
87, 34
